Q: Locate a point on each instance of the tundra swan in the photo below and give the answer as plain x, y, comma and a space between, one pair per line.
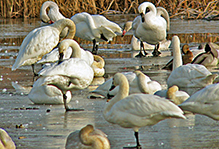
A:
87, 138
138, 83
190, 75
136, 43
43, 93
53, 15
150, 26
41, 41
204, 101
70, 74
5, 140
173, 94
95, 28
137, 110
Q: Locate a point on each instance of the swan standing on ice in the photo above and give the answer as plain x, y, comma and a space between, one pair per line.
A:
71, 74
87, 138
138, 83
137, 110
136, 43
190, 75
41, 41
150, 27
95, 28
204, 102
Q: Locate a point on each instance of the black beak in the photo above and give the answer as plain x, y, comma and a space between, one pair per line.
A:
112, 87
60, 57
142, 17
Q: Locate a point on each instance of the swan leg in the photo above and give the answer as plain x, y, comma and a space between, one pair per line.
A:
140, 54
156, 52
34, 73
95, 47
67, 108
137, 142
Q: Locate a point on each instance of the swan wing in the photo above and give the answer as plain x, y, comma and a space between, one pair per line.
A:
36, 44
142, 110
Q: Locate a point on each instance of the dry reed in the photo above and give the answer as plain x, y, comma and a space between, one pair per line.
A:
186, 9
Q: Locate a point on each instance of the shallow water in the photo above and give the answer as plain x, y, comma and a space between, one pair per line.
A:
49, 130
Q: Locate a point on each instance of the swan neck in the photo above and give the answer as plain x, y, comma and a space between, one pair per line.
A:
177, 57
62, 23
98, 61
122, 93
43, 15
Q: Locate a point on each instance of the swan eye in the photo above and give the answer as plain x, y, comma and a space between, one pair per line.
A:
147, 10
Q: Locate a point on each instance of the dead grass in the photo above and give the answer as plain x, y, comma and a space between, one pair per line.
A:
186, 9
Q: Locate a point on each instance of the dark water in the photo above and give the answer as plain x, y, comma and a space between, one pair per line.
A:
50, 129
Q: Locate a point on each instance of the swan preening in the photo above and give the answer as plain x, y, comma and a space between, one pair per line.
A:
150, 26
87, 138
190, 75
138, 83
204, 101
139, 43
70, 74
41, 41
137, 110
95, 28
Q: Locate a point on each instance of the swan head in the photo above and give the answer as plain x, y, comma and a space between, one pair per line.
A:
145, 8
43, 15
63, 46
127, 26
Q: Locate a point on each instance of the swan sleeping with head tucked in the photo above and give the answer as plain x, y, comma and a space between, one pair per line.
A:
5, 140
95, 28
137, 110
87, 138
190, 75
150, 26
138, 83
43, 93
71, 74
41, 41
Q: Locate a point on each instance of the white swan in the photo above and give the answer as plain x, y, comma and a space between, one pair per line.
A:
173, 94
138, 82
207, 58
87, 138
41, 41
151, 27
52, 16
5, 140
43, 93
137, 110
71, 74
135, 43
85, 55
95, 28
204, 101
190, 75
